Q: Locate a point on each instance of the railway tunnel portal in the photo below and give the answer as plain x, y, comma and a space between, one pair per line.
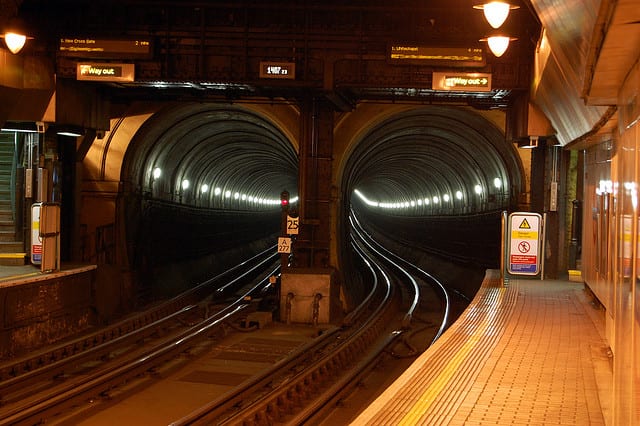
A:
204, 177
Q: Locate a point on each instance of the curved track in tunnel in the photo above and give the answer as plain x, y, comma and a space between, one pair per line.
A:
236, 160
435, 179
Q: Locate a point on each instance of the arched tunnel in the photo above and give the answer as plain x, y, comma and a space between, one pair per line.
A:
203, 180
435, 178
203, 185
434, 161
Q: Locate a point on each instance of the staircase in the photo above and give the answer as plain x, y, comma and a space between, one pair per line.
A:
11, 244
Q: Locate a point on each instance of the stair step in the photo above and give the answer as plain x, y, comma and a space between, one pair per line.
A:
13, 259
8, 236
11, 247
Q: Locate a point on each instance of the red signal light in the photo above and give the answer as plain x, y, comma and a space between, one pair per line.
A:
284, 200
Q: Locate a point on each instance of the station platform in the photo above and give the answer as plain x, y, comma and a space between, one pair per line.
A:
529, 352
17, 272
20, 274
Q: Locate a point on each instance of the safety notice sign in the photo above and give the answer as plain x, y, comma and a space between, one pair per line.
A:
524, 243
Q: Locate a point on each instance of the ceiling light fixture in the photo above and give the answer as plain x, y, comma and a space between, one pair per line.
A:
529, 143
20, 127
498, 44
15, 35
68, 130
496, 12
15, 42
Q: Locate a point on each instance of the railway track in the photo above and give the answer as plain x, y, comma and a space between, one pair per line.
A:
307, 385
41, 386
300, 386
309, 376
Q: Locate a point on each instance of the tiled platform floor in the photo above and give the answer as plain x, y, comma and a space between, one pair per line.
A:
529, 353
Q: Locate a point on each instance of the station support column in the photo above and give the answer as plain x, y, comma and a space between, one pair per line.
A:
549, 181
309, 291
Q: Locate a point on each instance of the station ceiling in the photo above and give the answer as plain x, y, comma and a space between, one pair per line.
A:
212, 49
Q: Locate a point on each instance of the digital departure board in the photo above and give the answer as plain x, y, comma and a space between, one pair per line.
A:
286, 70
87, 47
429, 55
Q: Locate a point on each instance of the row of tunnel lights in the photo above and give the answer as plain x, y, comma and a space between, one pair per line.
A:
204, 189
497, 183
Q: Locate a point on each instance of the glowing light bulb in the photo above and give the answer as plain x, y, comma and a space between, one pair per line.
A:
496, 13
498, 44
15, 42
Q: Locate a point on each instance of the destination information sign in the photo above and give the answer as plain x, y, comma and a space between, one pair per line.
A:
88, 47
451, 56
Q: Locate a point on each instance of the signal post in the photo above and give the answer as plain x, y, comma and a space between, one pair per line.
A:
284, 241
309, 291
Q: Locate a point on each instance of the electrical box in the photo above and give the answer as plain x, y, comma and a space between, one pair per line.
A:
553, 197
28, 183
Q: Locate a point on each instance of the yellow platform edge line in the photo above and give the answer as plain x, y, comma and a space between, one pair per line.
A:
427, 397
12, 255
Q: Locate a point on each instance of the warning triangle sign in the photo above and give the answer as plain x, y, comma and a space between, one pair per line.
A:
525, 224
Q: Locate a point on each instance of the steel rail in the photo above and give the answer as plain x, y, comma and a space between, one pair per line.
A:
376, 248
239, 394
347, 382
59, 367
435, 283
25, 365
126, 368
362, 330
105, 379
216, 408
316, 409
